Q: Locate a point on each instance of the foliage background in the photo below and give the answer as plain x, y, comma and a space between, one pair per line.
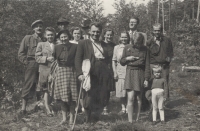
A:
16, 17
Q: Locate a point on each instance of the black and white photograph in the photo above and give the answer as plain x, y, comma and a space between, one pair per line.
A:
99, 65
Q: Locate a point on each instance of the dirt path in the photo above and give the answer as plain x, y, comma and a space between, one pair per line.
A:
182, 114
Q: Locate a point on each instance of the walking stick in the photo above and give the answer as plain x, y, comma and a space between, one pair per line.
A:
77, 105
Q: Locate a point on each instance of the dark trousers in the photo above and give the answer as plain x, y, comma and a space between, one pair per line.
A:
101, 82
31, 79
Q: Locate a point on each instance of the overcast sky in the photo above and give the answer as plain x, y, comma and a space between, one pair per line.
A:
108, 5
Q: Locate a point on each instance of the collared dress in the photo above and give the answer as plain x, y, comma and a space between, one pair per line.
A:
121, 70
66, 81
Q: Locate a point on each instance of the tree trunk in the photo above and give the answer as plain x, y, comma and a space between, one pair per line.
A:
158, 11
198, 11
170, 17
163, 17
193, 9
176, 12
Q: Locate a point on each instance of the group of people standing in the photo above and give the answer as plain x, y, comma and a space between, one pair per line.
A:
76, 62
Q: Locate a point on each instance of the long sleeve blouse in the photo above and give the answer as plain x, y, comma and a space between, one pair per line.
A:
142, 63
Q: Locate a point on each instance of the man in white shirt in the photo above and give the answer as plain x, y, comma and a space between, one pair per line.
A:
133, 24
100, 75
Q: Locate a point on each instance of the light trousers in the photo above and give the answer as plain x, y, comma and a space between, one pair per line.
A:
157, 102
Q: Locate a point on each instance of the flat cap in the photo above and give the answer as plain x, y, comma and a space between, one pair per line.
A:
157, 69
157, 26
36, 22
63, 20
85, 23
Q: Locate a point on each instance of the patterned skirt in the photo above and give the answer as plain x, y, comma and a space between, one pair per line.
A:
65, 84
134, 80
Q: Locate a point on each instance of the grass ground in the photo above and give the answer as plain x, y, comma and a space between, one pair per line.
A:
181, 112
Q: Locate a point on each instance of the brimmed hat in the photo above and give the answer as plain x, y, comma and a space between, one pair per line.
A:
157, 26
63, 31
63, 20
157, 69
85, 23
36, 22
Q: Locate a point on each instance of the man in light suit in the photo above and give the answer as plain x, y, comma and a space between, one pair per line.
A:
44, 56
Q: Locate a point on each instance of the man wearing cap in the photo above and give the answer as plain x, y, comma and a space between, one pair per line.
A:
85, 26
161, 53
26, 55
91, 49
62, 23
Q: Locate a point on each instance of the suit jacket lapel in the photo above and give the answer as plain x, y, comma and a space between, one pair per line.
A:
90, 46
47, 46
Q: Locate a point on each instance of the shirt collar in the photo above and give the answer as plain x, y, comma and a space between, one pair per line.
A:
94, 41
36, 36
121, 45
132, 31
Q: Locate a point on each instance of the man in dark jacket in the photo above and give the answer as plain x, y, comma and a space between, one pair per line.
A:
100, 75
161, 53
26, 55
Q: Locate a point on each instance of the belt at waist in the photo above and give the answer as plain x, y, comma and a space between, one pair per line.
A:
99, 59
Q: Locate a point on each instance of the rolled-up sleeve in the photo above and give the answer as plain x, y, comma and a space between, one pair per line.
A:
38, 54
23, 49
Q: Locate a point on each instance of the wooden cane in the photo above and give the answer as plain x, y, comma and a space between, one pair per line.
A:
77, 106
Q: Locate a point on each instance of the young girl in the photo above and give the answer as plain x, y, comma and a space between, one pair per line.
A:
136, 57
159, 94
119, 70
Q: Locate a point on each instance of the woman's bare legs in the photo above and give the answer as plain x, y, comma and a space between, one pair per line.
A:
139, 101
131, 96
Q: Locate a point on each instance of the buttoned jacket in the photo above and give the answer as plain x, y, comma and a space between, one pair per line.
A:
43, 51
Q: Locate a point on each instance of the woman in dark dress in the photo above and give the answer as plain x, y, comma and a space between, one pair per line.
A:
136, 57
65, 83
109, 46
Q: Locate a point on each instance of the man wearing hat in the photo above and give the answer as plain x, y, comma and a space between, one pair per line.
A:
26, 55
85, 23
62, 23
161, 53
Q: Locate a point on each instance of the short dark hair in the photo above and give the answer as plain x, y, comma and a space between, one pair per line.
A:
64, 32
96, 24
138, 39
136, 18
75, 28
106, 30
